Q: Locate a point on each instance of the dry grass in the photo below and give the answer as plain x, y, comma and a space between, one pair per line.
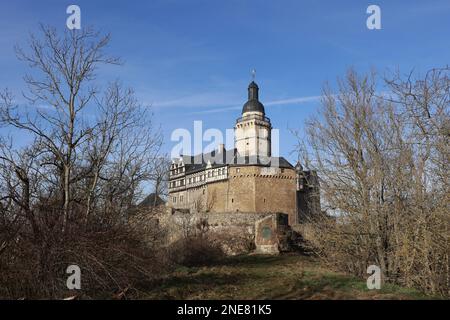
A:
269, 277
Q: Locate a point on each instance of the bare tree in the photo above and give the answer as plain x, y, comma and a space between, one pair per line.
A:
383, 168
92, 151
67, 67
160, 177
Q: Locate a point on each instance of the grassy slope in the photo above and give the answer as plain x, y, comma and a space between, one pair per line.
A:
269, 277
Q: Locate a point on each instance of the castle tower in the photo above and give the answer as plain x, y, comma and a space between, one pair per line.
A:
253, 129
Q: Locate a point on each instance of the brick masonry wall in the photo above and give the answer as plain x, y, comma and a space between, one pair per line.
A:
235, 231
247, 189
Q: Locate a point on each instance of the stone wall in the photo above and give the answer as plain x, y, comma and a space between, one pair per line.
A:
272, 234
235, 231
247, 189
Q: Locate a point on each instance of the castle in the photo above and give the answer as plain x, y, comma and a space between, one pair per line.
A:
246, 179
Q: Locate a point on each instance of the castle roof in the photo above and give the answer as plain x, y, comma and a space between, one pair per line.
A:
151, 200
230, 157
253, 104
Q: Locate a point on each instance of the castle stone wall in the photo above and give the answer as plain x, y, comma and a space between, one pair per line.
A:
234, 231
247, 189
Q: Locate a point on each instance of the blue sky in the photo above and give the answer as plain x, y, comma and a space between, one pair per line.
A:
191, 60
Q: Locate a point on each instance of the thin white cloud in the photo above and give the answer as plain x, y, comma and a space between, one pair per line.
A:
293, 100
290, 101
216, 110
202, 100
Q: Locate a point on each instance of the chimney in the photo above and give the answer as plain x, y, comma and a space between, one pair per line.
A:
221, 148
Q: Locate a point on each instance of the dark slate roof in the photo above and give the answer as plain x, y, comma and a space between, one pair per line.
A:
150, 201
264, 161
253, 103
230, 157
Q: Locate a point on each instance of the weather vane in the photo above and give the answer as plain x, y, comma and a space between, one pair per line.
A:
253, 74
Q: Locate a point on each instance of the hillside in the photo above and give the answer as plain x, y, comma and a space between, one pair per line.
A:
269, 277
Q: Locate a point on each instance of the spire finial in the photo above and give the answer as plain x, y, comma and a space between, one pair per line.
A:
253, 74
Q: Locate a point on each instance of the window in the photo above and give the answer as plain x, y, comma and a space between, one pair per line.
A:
232, 200
238, 170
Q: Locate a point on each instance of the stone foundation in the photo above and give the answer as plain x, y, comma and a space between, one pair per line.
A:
237, 232
272, 234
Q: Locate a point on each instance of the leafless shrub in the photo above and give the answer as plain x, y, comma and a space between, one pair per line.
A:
66, 197
197, 247
383, 163
198, 250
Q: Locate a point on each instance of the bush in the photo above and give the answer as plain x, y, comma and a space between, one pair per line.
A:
198, 250
111, 260
384, 176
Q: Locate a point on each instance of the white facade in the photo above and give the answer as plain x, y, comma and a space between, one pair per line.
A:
253, 135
